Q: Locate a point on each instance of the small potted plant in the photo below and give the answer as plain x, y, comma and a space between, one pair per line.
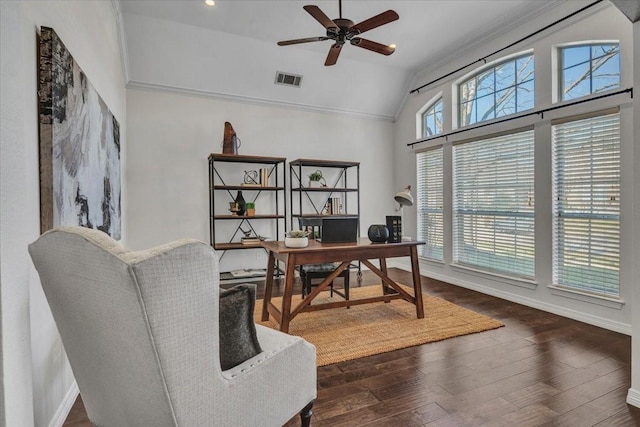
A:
317, 180
297, 239
251, 208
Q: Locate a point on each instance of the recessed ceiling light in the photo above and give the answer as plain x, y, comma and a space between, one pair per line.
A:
209, 2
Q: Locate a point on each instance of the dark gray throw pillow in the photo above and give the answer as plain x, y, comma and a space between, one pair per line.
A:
238, 339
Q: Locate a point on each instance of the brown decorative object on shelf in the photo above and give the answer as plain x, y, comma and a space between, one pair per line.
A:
230, 142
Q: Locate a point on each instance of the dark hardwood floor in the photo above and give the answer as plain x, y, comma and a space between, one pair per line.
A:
539, 370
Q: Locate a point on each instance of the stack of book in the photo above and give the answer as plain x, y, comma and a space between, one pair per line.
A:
333, 206
254, 240
264, 177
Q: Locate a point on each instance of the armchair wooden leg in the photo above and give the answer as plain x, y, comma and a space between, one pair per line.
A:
305, 415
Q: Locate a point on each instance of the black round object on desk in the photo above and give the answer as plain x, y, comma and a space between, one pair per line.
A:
378, 233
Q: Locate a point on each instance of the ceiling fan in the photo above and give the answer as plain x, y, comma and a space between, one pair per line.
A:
342, 30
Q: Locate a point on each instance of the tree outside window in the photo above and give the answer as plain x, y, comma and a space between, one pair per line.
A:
589, 69
501, 90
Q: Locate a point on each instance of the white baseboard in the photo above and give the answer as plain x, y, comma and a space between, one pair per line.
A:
633, 397
623, 328
63, 410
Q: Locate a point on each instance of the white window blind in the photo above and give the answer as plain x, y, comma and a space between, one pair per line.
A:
429, 203
493, 204
586, 156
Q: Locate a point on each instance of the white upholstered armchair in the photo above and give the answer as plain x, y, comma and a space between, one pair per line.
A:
140, 329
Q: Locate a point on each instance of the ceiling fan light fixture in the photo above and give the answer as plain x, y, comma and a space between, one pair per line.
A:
210, 2
342, 30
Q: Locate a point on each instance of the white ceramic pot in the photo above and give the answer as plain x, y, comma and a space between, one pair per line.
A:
296, 242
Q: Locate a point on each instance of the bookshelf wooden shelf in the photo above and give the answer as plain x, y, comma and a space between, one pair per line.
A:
311, 202
270, 193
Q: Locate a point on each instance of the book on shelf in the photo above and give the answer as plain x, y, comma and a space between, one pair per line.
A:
264, 177
252, 240
250, 184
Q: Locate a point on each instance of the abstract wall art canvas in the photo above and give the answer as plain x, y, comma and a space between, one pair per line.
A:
79, 145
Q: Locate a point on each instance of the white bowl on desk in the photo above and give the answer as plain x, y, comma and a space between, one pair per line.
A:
296, 242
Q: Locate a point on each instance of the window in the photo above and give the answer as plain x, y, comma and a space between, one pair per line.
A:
429, 203
432, 120
504, 89
587, 69
586, 155
493, 222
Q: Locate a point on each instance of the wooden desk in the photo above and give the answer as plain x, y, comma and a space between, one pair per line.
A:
345, 253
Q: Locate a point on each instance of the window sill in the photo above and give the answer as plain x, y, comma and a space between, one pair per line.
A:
432, 261
609, 302
509, 280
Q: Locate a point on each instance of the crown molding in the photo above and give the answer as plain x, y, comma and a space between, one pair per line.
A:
132, 84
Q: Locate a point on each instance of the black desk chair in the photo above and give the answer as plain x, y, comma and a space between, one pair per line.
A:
309, 272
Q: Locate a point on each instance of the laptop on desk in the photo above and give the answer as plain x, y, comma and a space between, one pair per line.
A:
339, 230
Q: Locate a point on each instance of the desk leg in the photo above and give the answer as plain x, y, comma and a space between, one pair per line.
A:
417, 286
383, 267
288, 293
268, 286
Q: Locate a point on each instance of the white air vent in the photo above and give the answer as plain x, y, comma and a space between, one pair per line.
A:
288, 79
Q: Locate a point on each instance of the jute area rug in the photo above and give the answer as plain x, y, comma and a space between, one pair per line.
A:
341, 334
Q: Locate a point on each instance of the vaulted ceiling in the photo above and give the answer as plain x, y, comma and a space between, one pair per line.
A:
230, 50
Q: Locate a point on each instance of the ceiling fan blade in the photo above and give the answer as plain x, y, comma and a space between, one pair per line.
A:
374, 22
373, 46
320, 16
334, 52
307, 40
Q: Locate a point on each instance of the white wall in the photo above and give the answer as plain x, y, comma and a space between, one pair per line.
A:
605, 22
37, 383
172, 134
634, 393
171, 54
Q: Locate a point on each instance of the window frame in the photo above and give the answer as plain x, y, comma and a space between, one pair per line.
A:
431, 110
560, 75
491, 67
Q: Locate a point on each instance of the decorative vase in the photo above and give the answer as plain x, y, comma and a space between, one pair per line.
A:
378, 233
296, 242
241, 203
